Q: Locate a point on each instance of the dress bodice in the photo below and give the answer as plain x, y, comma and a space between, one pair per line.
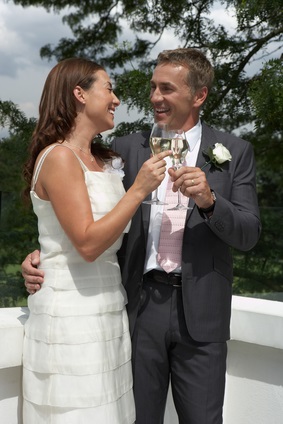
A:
105, 189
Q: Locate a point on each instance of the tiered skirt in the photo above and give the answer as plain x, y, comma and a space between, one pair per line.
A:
77, 349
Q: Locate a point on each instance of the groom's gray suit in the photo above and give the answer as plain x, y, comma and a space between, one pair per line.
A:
207, 270
206, 259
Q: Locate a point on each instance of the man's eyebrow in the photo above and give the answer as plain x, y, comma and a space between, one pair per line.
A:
163, 84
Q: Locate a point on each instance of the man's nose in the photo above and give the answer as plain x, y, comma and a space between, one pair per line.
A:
156, 96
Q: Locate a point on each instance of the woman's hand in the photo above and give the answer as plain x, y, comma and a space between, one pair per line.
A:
32, 275
151, 174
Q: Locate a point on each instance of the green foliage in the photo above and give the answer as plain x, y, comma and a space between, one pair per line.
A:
261, 269
266, 92
18, 227
12, 292
250, 12
136, 82
11, 116
18, 234
131, 127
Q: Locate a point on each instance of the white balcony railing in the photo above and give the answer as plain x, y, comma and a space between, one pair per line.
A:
254, 388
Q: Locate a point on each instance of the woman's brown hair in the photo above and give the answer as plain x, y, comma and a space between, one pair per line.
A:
57, 110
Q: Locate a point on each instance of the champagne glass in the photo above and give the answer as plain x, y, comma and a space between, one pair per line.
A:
179, 147
159, 141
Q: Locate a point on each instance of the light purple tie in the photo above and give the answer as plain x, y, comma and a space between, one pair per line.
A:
171, 233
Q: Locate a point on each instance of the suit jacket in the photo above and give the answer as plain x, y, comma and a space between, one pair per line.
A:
207, 268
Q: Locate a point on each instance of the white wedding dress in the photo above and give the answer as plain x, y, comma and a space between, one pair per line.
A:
77, 347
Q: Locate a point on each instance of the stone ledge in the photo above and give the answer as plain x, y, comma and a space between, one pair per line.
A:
257, 321
11, 335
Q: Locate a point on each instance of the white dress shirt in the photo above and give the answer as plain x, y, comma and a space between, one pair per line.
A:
193, 137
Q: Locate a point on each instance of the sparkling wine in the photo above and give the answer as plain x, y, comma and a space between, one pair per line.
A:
159, 144
179, 147
163, 138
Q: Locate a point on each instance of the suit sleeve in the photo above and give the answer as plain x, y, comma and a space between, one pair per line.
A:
236, 219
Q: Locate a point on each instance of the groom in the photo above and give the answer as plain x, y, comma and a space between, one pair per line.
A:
179, 308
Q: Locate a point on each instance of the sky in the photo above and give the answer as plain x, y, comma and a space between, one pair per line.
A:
23, 31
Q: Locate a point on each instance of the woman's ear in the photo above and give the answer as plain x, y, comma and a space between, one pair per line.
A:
79, 94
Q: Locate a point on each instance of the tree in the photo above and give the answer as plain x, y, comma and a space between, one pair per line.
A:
265, 261
18, 229
99, 26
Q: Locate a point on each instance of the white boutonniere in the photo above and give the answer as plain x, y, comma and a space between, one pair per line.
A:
115, 166
217, 155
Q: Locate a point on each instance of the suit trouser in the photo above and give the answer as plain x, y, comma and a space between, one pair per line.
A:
164, 350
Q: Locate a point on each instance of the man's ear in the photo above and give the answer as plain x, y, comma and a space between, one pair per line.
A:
79, 94
200, 96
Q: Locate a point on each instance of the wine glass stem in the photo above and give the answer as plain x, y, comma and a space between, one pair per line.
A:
179, 197
155, 196
178, 166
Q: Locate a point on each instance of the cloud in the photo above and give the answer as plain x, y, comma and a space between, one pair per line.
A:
23, 31
8, 66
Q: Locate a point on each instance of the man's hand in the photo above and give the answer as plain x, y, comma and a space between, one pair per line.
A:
32, 275
192, 183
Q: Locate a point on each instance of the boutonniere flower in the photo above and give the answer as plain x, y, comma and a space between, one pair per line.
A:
217, 155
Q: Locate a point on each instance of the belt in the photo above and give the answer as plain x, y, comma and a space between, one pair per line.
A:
171, 279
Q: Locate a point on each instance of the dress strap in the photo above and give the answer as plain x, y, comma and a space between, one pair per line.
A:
84, 167
41, 160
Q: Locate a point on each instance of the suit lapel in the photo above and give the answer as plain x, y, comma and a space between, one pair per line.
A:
208, 138
143, 154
